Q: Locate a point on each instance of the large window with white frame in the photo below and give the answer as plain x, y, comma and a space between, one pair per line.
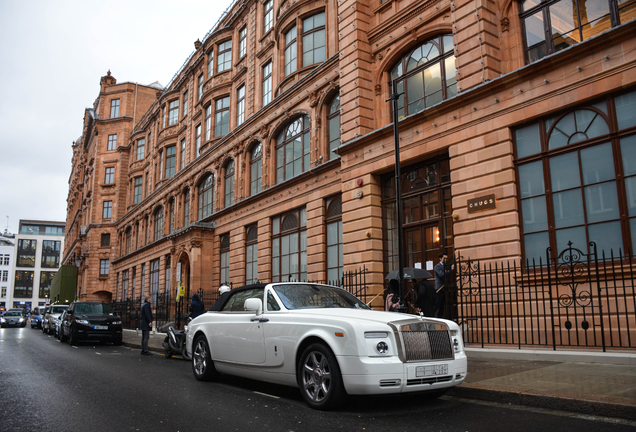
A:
268, 15
107, 210
171, 160
185, 104
182, 154
577, 179
251, 255
112, 142
206, 197
197, 140
224, 56
114, 108
267, 83
211, 63
141, 147
138, 189
289, 247
242, 42
222, 117
208, 122
173, 112
199, 87
240, 105
293, 148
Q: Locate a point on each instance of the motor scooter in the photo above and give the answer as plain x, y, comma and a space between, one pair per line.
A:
174, 343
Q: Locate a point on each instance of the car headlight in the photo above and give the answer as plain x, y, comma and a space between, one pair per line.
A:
382, 347
81, 321
22, 319
2, 319
116, 322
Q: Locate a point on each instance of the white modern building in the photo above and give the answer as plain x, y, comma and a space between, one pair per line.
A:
7, 246
37, 250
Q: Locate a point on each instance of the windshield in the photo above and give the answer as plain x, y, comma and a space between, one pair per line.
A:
317, 296
58, 309
13, 314
92, 309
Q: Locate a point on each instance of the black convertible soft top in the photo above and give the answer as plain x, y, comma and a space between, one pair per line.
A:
220, 302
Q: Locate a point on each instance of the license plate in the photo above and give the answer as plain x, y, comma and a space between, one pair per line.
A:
100, 327
423, 371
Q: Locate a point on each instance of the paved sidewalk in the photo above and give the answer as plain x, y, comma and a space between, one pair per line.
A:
588, 382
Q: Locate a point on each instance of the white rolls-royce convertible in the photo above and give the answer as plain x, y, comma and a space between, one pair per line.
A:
325, 341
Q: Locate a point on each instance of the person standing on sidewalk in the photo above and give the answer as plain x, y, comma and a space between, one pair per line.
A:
146, 325
442, 274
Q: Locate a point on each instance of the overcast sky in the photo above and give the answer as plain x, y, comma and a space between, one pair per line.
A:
53, 54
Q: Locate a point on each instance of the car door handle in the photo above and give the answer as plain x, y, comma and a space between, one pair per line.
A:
258, 319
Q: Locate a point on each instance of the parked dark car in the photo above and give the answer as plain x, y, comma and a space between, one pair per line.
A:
91, 321
13, 318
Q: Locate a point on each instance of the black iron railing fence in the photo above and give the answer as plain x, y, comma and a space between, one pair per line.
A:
573, 300
167, 310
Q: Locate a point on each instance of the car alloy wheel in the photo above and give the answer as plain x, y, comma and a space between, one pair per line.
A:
319, 377
202, 364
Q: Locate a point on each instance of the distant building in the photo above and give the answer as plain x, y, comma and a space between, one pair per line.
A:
37, 251
270, 155
7, 246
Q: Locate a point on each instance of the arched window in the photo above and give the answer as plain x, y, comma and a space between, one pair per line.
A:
577, 180
426, 75
256, 169
334, 126
293, 147
229, 183
186, 208
206, 197
158, 223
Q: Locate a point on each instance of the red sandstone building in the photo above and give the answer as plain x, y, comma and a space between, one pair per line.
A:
270, 155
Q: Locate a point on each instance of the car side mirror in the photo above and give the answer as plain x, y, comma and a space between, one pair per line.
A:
253, 305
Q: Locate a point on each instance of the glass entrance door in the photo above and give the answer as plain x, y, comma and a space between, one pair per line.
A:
422, 245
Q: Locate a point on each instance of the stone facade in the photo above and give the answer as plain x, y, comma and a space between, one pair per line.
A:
466, 137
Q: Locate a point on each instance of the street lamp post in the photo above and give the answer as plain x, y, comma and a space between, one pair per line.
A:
395, 96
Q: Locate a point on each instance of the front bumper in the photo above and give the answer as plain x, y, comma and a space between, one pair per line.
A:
386, 375
88, 332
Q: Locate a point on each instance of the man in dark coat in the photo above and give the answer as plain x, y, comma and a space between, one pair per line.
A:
426, 297
196, 307
442, 274
146, 325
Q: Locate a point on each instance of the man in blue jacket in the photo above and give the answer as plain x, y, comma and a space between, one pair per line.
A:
196, 307
146, 325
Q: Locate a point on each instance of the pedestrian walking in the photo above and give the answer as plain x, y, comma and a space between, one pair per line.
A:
196, 307
146, 325
442, 274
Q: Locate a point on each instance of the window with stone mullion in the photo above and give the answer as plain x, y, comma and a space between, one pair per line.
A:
229, 183
256, 169
268, 15
222, 117
159, 223
289, 246
225, 260
206, 197
251, 255
334, 127
171, 160
224, 56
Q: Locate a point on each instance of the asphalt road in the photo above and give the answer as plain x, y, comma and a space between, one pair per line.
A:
46, 385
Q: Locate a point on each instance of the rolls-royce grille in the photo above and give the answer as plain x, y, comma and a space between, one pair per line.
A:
427, 345
432, 380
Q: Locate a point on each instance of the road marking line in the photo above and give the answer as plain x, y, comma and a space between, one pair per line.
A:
268, 395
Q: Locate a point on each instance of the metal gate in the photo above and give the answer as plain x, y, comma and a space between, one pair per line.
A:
577, 299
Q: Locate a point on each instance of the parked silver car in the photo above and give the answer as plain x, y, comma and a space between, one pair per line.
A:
13, 318
51, 317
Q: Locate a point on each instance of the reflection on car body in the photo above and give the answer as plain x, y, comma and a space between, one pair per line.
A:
325, 341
